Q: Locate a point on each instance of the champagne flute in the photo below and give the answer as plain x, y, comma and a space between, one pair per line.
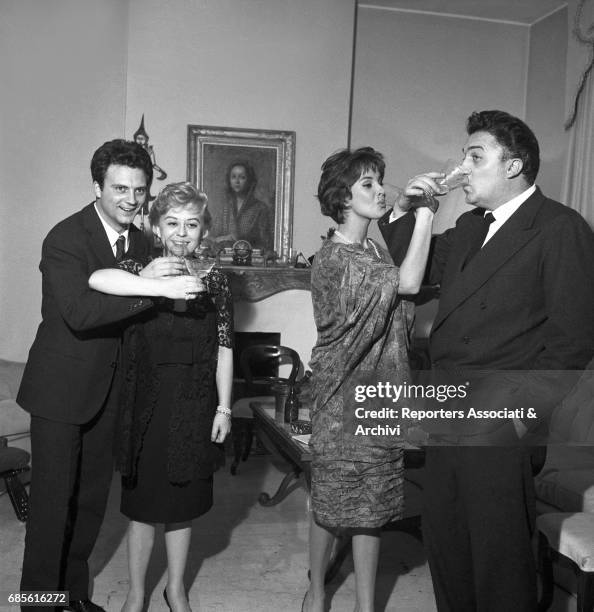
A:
392, 193
455, 175
180, 250
196, 265
200, 266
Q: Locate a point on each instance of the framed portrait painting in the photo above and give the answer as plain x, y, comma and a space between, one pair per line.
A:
247, 175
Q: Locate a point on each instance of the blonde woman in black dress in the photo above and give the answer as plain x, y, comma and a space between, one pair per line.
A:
175, 403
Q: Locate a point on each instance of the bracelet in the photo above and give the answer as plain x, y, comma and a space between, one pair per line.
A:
226, 411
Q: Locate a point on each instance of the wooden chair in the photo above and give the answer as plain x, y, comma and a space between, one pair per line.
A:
256, 363
14, 461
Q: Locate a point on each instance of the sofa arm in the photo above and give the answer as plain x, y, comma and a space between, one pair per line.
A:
13, 419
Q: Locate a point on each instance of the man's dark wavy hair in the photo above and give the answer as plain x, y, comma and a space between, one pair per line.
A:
121, 152
339, 172
516, 138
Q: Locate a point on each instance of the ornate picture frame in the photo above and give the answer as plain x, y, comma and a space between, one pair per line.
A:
247, 175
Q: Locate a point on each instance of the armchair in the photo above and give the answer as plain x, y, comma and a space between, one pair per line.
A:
256, 363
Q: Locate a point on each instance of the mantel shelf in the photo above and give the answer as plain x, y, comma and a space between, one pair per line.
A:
254, 283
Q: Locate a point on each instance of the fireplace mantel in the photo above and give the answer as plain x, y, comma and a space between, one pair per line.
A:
255, 283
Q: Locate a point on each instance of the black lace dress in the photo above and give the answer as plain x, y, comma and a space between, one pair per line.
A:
168, 402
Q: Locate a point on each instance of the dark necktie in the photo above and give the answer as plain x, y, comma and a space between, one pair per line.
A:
120, 246
481, 233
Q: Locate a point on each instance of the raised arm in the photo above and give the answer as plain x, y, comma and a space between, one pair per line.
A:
398, 225
65, 269
120, 282
412, 268
420, 191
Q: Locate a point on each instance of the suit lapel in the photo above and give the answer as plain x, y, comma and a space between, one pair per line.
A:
97, 236
515, 233
137, 243
99, 242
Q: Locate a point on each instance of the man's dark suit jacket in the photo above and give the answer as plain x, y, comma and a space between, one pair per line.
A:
524, 302
71, 363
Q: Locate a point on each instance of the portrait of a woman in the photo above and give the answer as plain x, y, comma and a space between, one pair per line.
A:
242, 216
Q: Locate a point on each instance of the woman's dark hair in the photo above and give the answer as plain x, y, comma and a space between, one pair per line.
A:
121, 152
250, 173
342, 170
511, 133
179, 194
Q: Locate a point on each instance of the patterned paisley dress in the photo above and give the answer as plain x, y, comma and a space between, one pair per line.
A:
363, 334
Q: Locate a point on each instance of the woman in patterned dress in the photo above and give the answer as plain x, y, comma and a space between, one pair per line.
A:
364, 325
177, 360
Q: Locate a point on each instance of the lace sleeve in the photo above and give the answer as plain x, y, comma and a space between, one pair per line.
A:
220, 292
131, 265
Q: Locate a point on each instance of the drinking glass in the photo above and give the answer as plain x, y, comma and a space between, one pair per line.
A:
392, 193
176, 250
455, 175
200, 266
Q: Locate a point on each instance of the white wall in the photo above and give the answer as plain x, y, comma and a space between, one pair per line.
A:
266, 64
545, 97
62, 69
419, 76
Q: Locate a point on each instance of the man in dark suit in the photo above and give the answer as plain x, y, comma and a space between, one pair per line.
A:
519, 312
70, 381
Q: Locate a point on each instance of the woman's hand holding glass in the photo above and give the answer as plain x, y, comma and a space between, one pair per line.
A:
452, 176
420, 191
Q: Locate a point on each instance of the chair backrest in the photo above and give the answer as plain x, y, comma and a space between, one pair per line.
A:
267, 355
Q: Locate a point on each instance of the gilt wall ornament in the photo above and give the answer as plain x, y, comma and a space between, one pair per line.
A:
142, 138
585, 37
